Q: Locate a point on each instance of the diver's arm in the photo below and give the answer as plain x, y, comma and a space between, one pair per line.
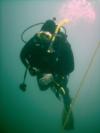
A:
26, 52
32, 70
25, 56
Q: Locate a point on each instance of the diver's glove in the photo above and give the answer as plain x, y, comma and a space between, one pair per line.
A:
33, 70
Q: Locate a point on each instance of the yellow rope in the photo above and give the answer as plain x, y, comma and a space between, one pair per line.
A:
80, 86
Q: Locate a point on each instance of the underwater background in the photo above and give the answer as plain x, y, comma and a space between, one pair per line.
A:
34, 111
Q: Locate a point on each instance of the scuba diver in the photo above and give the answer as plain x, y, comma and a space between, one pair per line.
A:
49, 57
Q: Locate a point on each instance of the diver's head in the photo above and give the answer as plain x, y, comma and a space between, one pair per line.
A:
49, 26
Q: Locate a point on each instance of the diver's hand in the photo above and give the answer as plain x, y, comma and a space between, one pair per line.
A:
33, 71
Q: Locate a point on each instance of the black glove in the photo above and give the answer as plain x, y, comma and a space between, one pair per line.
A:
33, 71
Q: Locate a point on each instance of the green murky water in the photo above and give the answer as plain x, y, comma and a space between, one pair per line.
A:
40, 112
